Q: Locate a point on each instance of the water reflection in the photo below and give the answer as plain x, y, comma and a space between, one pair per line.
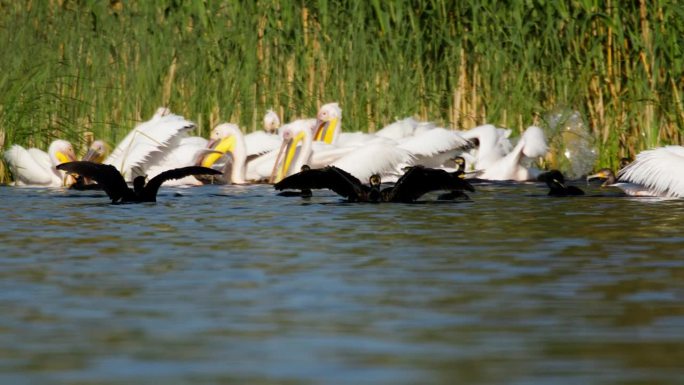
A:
235, 284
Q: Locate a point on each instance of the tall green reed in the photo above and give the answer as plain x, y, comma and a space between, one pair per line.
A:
71, 67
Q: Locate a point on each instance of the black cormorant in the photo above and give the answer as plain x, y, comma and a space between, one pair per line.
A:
115, 186
415, 182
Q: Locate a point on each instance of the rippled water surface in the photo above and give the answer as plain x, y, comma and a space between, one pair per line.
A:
230, 284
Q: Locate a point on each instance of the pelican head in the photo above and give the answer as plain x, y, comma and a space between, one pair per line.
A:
604, 174
329, 111
222, 140
223, 130
291, 154
61, 151
328, 118
96, 152
271, 122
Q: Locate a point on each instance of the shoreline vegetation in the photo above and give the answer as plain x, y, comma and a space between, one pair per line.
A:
75, 70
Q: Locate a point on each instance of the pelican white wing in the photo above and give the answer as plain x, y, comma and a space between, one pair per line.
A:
535, 142
28, 167
148, 140
661, 170
259, 142
373, 159
399, 129
433, 142
183, 155
36, 167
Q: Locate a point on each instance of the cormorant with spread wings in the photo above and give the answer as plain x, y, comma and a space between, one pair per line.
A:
415, 182
115, 186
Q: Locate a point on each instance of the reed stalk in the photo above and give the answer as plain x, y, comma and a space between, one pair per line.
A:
620, 64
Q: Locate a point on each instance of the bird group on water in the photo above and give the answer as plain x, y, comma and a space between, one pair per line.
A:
411, 157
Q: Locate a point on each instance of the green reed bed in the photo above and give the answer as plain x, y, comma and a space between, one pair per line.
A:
71, 67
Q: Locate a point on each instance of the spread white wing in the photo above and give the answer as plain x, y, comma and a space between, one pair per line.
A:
661, 170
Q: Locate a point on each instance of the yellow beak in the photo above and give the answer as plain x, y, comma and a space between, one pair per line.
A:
220, 148
64, 157
290, 153
326, 131
598, 175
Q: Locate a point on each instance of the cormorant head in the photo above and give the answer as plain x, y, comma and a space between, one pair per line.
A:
552, 178
375, 180
460, 163
603, 174
139, 183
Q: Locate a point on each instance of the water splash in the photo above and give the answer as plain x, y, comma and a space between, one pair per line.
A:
571, 142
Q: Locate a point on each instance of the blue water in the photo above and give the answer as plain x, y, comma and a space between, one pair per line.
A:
233, 284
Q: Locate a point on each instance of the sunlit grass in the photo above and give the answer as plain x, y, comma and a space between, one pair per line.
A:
101, 66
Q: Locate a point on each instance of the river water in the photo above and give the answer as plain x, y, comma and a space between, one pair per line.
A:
233, 284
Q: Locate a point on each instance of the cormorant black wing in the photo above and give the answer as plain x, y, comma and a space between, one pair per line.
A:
330, 177
149, 194
419, 180
105, 175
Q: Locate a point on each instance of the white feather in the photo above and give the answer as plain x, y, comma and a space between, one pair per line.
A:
373, 159
399, 129
261, 168
259, 142
432, 142
535, 142
495, 164
41, 157
147, 143
27, 168
660, 170
34, 167
492, 148
183, 155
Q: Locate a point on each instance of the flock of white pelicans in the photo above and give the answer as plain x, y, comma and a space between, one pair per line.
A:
278, 151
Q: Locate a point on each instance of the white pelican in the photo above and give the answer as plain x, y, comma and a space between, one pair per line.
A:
328, 126
242, 158
229, 153
658, 172
34, 167
148, 143
493, 161
256, 143
298, 149
491, 144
